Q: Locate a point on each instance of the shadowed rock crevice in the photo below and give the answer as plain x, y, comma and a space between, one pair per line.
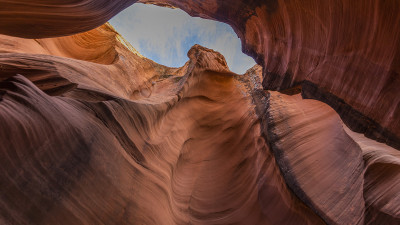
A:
344, 47
94, 133
201, 158
353, 118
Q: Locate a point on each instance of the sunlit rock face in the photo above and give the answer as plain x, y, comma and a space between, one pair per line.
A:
187, 148
94, 133
346, 51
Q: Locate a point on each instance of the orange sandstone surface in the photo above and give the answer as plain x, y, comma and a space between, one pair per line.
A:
343, 52
91, 132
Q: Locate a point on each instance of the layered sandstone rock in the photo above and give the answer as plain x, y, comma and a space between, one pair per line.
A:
94, 133
347, 50
343, 176
98, 59
190, 151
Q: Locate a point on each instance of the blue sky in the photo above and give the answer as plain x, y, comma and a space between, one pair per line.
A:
165, 35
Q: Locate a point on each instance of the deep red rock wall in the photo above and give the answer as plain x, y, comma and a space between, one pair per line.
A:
48, 18
350, 49
189, 150
347, 48
94, 133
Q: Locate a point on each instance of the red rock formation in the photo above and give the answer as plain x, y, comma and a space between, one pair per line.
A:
190, 152
347, 50
94, 133
381, 180
97, 59
345, 177
314, 167
48, 18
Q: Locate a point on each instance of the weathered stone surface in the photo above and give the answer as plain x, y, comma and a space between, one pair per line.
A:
188, 149
94, 133
350, 49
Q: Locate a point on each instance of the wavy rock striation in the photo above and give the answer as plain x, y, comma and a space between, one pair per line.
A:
94, 133
343, 176
189, 152
347, 50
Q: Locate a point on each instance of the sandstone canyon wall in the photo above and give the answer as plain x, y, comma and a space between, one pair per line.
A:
346, 51
94, 133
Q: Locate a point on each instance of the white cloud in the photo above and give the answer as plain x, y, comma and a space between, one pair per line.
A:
165, 35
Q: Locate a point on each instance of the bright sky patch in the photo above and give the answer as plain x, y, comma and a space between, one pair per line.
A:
165, 35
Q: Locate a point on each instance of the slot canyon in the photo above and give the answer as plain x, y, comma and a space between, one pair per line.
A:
92, 132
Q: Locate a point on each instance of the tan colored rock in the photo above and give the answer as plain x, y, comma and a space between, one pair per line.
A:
191, 151
347, 50
94, 133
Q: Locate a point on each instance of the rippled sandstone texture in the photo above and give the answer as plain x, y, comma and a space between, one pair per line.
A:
345, 53
187, 148
94, 133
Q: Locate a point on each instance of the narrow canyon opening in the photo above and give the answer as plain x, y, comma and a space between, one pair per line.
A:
165, 35
103, 124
